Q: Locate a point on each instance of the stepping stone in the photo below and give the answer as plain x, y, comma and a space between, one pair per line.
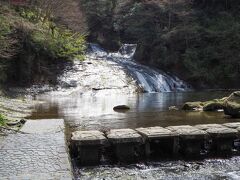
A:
87, 146
208, 126
88, 138
125, 142
222, 132
191, 139
159, 141
188, 132
222, 139
232, 125
117, 136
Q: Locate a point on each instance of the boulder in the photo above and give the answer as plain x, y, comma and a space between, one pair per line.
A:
232, 105
121, 107
193, 106
214, 105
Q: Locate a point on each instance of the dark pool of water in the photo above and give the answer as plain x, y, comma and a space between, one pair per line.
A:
95, 110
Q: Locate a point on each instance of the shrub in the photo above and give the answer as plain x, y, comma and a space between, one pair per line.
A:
3, 120
60, 42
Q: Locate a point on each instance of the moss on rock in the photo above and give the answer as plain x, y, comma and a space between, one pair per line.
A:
232, 105
190, 106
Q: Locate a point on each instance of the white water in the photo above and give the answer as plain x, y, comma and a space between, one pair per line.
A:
149, 79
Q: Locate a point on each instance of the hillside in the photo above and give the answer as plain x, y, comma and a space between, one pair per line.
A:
34, 47
197, 40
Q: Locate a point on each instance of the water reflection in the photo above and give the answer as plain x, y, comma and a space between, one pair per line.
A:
95, 110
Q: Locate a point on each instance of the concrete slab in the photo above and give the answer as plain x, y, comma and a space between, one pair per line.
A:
188, 132
191, 140
159, 141
222, 132
125, 144
88, 138
222, 140
232, 125
34, 156
208, 126
43, 126
156, 132
116, 136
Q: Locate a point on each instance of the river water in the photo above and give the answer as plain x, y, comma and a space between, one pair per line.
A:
89, 90
95, 111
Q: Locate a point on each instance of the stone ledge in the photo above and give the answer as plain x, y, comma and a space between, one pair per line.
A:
232, 125
208, 126
88, 138
123, 136
188, 132
156, 132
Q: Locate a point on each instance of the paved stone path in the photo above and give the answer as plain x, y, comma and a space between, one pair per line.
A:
41, 155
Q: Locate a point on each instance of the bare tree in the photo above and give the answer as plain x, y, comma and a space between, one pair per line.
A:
67, 12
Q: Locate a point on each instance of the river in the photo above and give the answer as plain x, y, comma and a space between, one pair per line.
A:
89, 90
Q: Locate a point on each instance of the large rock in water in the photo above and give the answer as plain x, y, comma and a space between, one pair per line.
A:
121, 107
232, 105
192, 106
214, 105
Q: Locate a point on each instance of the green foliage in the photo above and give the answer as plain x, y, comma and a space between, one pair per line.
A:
29, 14
3, 120
7, 49
31, 45
214, 56
60, 43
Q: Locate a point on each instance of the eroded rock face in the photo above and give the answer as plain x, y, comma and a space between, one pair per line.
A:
232, 105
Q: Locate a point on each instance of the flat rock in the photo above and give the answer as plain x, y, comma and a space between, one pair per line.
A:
224, 132
89, 138
188, 132
232, 125
123, 136
208, 126
156, 132
43, 126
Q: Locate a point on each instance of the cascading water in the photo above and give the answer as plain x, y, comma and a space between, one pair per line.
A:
149, 79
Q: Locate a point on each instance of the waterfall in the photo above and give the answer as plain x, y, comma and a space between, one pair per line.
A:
149, 79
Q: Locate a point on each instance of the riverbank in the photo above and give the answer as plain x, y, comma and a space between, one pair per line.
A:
14, 111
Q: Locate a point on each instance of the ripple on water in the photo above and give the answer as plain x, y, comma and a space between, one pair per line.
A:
207, 169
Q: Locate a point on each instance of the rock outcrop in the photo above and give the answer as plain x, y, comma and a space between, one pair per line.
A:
232, 105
